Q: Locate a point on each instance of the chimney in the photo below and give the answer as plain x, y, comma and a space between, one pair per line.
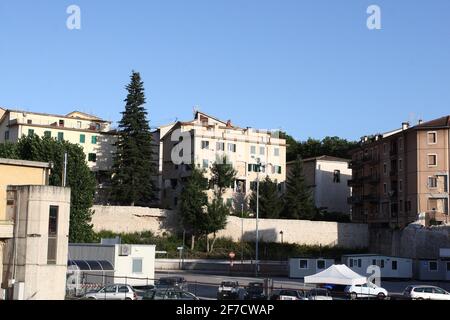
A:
420, 121
229, 124
405, 125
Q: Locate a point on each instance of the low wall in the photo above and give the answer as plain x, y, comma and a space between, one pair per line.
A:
137, 219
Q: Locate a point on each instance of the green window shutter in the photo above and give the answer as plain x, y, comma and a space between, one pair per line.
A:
82, 138
47, 134
92, 157
94, 139
30, 132
249, 168
60, 136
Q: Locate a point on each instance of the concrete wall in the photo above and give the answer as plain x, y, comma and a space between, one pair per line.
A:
412, 242
134, 219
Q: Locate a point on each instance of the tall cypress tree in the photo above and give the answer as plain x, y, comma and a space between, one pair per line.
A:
298, 199
134, 169
270, 202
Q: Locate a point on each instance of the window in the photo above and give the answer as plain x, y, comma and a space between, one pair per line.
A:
400, 186
137, 265
359, 263
400, 143
408, 206
394, 265
384, 188
432, 160
123, 289
82, 138
205, 144
29, 121
351, 263
6, 135
253, 150
60, 136
432, 266
320, 264
381, 263
438, 291
205, 164
92, 157
94, 139
253, 185
30, 132
47, 134
337, 176
385, 148
448, 266
276, 169
61, 123
276, 152
110, 289
400, 164
374, 262
432, 137
303, 264
52, 234
79, 124
232, 147
385, 169
432, 182
262, 151
220, 146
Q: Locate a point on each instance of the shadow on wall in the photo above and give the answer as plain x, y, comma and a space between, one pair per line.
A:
337, 203
265, 235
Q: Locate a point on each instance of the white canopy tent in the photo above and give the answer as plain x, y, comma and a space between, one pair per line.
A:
338, 274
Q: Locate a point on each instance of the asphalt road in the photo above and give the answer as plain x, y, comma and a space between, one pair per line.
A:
205, 285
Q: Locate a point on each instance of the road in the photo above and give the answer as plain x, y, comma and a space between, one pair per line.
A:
205, 285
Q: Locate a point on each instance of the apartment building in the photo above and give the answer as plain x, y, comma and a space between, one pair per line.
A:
205, 140
34, 228
327, 177
93, 134
402, 176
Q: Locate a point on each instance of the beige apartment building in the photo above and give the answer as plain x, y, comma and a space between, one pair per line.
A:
205, 140
93, 134
34, 228
403, 176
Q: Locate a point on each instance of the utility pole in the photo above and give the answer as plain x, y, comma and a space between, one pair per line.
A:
65, 170
242, 233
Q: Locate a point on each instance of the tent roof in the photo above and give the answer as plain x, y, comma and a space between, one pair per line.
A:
337, 274
91, 265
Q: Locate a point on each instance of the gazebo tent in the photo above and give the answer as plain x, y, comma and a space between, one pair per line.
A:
337, 274
83, 275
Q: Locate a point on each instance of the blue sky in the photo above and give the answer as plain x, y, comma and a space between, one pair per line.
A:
310, 67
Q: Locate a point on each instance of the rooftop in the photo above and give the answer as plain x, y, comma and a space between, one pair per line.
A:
26, 163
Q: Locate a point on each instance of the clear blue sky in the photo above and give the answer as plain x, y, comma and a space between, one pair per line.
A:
310, 67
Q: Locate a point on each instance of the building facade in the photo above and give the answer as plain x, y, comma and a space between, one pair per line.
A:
93, 134
402, 176
34, 228
327, 177
205, 140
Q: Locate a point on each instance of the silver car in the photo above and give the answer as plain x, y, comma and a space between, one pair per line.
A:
113, 292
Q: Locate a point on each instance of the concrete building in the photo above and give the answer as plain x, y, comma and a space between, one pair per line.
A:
206, 139
402, 176
132, 264
303, 267
390, 267
328, 179
93, 134
33, 250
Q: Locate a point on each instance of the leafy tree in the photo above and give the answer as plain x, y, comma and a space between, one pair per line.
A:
134, 171
223, 175
298, 199
270, 202
215, 220
193, 204
79, 178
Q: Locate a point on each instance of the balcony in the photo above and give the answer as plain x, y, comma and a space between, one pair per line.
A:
355, 164
354, 200
371, 179
6, 229
371, 198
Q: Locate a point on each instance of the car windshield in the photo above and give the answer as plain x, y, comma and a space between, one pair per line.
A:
228, 284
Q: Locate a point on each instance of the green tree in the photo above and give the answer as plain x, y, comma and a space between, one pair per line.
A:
193, 204
134, 169
79, 178
270, 202
223, 176
298, 202
215, 220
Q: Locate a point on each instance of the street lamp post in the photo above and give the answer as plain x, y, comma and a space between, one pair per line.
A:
242, 233
281, 234
260, 165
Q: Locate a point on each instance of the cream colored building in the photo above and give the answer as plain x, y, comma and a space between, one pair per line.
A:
93, 134
34, 227
207, 139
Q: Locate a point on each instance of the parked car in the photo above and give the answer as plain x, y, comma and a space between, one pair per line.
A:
113, 292
288, 295
426, 293
255, 291
228, 290
168, 294
179, 283
319, 294
141, 290
366, 290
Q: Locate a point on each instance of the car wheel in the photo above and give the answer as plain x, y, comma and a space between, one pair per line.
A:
128, 299
91, 298
419, 299
381, 296
353, 296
